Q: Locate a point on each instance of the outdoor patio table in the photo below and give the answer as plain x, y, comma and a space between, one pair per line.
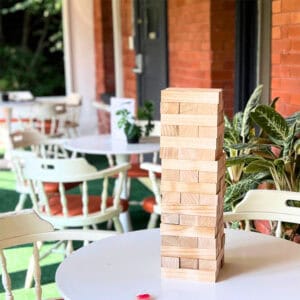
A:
256, 267
106, 145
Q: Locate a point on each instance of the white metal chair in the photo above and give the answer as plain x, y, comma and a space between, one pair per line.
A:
73, 210
73, 105
27, 227
39, 145
49, 118
152, 204
270, 205
66, 210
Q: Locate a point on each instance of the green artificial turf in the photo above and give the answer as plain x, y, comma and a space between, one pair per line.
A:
18, 257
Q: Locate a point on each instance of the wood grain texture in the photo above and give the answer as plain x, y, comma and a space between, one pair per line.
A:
170, 262
193, 187
170, 198
201, 166
189, 231
167, 152
200, 108
191, 95
197, 275
169, 107
192, 120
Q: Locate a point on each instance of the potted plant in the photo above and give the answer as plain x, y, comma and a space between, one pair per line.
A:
238, 133
132, 129
271, 154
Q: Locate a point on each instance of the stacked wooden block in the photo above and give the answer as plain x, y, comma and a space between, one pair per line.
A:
192, 183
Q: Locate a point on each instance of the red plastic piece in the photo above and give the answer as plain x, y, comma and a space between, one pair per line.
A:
143, 297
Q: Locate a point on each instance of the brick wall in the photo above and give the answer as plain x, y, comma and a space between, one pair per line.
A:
128, 55
103, 57
108, 47
223, 49
201, 45
286, 55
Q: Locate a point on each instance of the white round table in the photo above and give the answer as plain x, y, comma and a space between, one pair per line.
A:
256, 267
106, 145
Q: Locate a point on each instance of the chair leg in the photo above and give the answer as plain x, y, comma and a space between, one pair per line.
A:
153, 221
30, 270
21, 202
109, 224
118, 225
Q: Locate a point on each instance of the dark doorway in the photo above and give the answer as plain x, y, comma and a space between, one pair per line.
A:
151, 50
246, 52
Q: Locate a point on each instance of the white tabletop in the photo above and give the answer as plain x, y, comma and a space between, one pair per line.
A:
13, 104
105, 144
256, 267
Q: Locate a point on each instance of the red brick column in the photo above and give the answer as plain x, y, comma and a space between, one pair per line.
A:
201, 45
286, 55
223, 49
104, 60
128, 55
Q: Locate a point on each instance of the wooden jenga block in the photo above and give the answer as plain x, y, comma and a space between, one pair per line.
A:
191, 95
200, 108
188, 242
170, 175
195, 154
198, 120
170, 240
167, 152
201, 166
170, 262
189, 252
169, 130
198, 154
188, 176
193, 187
188, 131
211, 265
212, 131
189, 231
188, 263
198, 143
169, 108
192, 220
189, 198
170, 218
192, 210
186, 274
170, 198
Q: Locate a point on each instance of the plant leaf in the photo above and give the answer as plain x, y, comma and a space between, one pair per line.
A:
238, 160
271, 122
251, 104
257, 166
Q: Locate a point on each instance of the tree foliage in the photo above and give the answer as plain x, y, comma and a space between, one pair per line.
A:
31, 51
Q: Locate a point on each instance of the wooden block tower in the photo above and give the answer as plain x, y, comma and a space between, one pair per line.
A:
192, 183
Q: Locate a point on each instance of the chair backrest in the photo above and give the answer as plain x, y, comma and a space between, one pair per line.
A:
49, 118
26, 138
154, 169
27, 227
73, 99
274, 205
72, 170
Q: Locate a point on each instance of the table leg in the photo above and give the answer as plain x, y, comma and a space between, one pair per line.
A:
124, 216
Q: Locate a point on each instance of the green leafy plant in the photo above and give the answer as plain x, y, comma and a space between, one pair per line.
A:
132, 129
240, 132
